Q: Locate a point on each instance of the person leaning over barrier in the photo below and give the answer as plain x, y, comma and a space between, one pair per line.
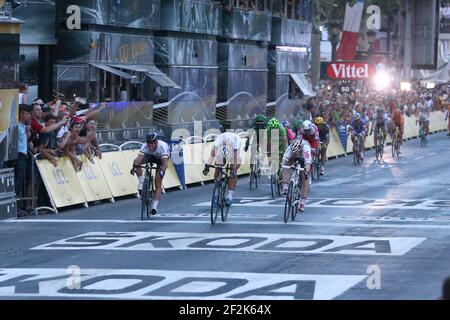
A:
72, 144
153, 151
47, 141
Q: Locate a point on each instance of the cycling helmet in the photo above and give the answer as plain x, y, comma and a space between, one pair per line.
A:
298, 124
318, 120
307, 126
260, 118
274, 123
296, 145
151, 136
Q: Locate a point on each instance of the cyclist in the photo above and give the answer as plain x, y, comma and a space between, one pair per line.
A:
153, 151
298, 150
225, 150
297, 128
380, 122
274, 126
324, 136
310, 133
398, 121
289, 132
423, 108
358, 128
255, 133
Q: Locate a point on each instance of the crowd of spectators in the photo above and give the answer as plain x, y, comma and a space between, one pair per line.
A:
338, 109
53, 129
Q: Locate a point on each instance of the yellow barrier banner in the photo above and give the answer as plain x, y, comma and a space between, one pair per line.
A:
335, 147
206, 152
128, 157
8, 107
117, 174
61, 182
411, 128
171, 178
92, 180
437, 121
194, 162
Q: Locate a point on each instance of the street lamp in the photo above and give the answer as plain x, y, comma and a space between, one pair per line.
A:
334, 31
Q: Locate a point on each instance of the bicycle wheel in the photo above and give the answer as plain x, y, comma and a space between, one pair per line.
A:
288, 202
318, 170
150, 195
272, 185
215, 206
144, 198
257, 173
297, 197
394, 146
278, 185
223, 208
252, 175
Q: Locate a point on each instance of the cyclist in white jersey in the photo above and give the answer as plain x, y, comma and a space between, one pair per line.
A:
226, 150
153, 151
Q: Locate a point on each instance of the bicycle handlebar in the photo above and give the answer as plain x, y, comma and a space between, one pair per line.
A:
292, 167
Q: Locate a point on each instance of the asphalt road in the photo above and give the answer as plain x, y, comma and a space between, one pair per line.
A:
375, 231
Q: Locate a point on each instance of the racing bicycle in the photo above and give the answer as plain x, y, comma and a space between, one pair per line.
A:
395, 146
148, 188
293, 196
219, 193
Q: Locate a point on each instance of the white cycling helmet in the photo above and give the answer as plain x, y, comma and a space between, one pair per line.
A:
296, 145
307, 126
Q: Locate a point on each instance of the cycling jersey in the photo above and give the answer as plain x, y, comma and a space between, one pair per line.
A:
314, 138
304, 153
324, 131
161, 151
281, 134
359, 126
232, 142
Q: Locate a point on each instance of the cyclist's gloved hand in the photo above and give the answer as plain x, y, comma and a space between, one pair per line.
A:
206, 170
245, 148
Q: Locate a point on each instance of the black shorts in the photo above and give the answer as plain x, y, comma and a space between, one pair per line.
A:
152, 159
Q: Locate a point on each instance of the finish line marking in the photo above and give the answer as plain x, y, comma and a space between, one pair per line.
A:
231, 222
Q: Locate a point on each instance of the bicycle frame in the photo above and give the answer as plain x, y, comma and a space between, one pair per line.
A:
294, 192
147, 188
220, 187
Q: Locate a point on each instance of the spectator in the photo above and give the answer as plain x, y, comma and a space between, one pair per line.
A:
92, 148
23, 92
72, 143
20, 165
47, 141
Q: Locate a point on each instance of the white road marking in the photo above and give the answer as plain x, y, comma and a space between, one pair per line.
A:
242, 242
162, 284
231, 222
419, 158
392, 219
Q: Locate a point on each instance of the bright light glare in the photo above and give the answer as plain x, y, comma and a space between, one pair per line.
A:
430, 85
405, 86
382, 80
